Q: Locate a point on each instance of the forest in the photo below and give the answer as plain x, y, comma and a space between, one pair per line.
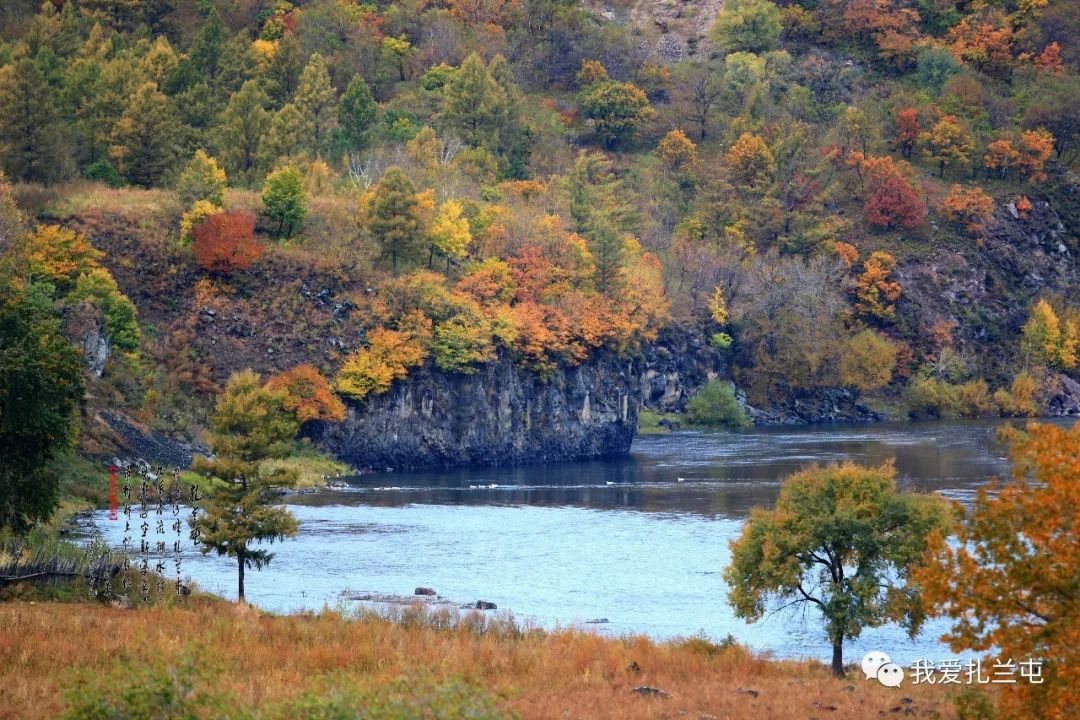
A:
544, 179
534, 178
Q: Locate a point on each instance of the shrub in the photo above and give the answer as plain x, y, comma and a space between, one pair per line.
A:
969, 208
875, 289
715, 405
199, 211
161, 693
974, 400
462, 342
58, 255
721, 341
974, 704
400, 700
224, 242
928, 397
747, 25
117, 311
895, 203
103, 171
1020, 399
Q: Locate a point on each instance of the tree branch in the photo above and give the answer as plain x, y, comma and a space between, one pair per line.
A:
808, 596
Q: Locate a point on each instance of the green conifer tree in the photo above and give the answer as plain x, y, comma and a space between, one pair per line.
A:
249, 425
31, 146
145, 138
241, 130
393, 218
316, 100
286, 136
474, 105
356, 113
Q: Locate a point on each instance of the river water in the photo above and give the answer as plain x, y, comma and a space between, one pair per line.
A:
640, 541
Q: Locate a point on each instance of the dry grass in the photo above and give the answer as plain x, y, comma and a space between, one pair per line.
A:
262, 660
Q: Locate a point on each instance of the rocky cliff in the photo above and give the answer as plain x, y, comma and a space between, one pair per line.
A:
675, 366
501, 415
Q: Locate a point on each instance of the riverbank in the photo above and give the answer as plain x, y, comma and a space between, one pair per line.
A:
218, 660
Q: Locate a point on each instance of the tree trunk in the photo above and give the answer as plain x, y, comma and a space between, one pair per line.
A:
838, 657
240, 567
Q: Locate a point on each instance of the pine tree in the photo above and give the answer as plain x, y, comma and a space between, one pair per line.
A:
31, 147
236, 63
95, 94
316, 100
393, 218
241, 131
356, 113
474, 104
284, 71
515, 136
120, 15
602, 217
250, 424
286, 136
144, 140
205, 53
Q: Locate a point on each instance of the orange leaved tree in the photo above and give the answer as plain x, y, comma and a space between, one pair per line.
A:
224, 242
875, 289
968, 207
1012, 582
308, 394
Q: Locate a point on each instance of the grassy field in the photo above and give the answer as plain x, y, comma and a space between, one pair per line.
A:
212, 659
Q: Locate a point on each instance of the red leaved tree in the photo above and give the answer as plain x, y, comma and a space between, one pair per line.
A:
907, 131
224, 242
895, 203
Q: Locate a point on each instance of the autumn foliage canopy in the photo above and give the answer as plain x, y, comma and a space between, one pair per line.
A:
1011, 583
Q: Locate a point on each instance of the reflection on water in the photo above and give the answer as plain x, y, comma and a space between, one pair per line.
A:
640, 541
702, 473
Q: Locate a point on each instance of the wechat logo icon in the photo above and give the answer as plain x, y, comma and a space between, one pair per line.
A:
878, 665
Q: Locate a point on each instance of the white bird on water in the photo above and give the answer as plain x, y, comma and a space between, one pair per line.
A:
680, 479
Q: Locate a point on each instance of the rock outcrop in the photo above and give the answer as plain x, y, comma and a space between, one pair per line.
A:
501, 415
674, 367
813, 407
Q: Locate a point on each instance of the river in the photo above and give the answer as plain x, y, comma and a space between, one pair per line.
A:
640, 541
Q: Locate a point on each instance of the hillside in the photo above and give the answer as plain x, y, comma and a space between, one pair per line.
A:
850, 210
